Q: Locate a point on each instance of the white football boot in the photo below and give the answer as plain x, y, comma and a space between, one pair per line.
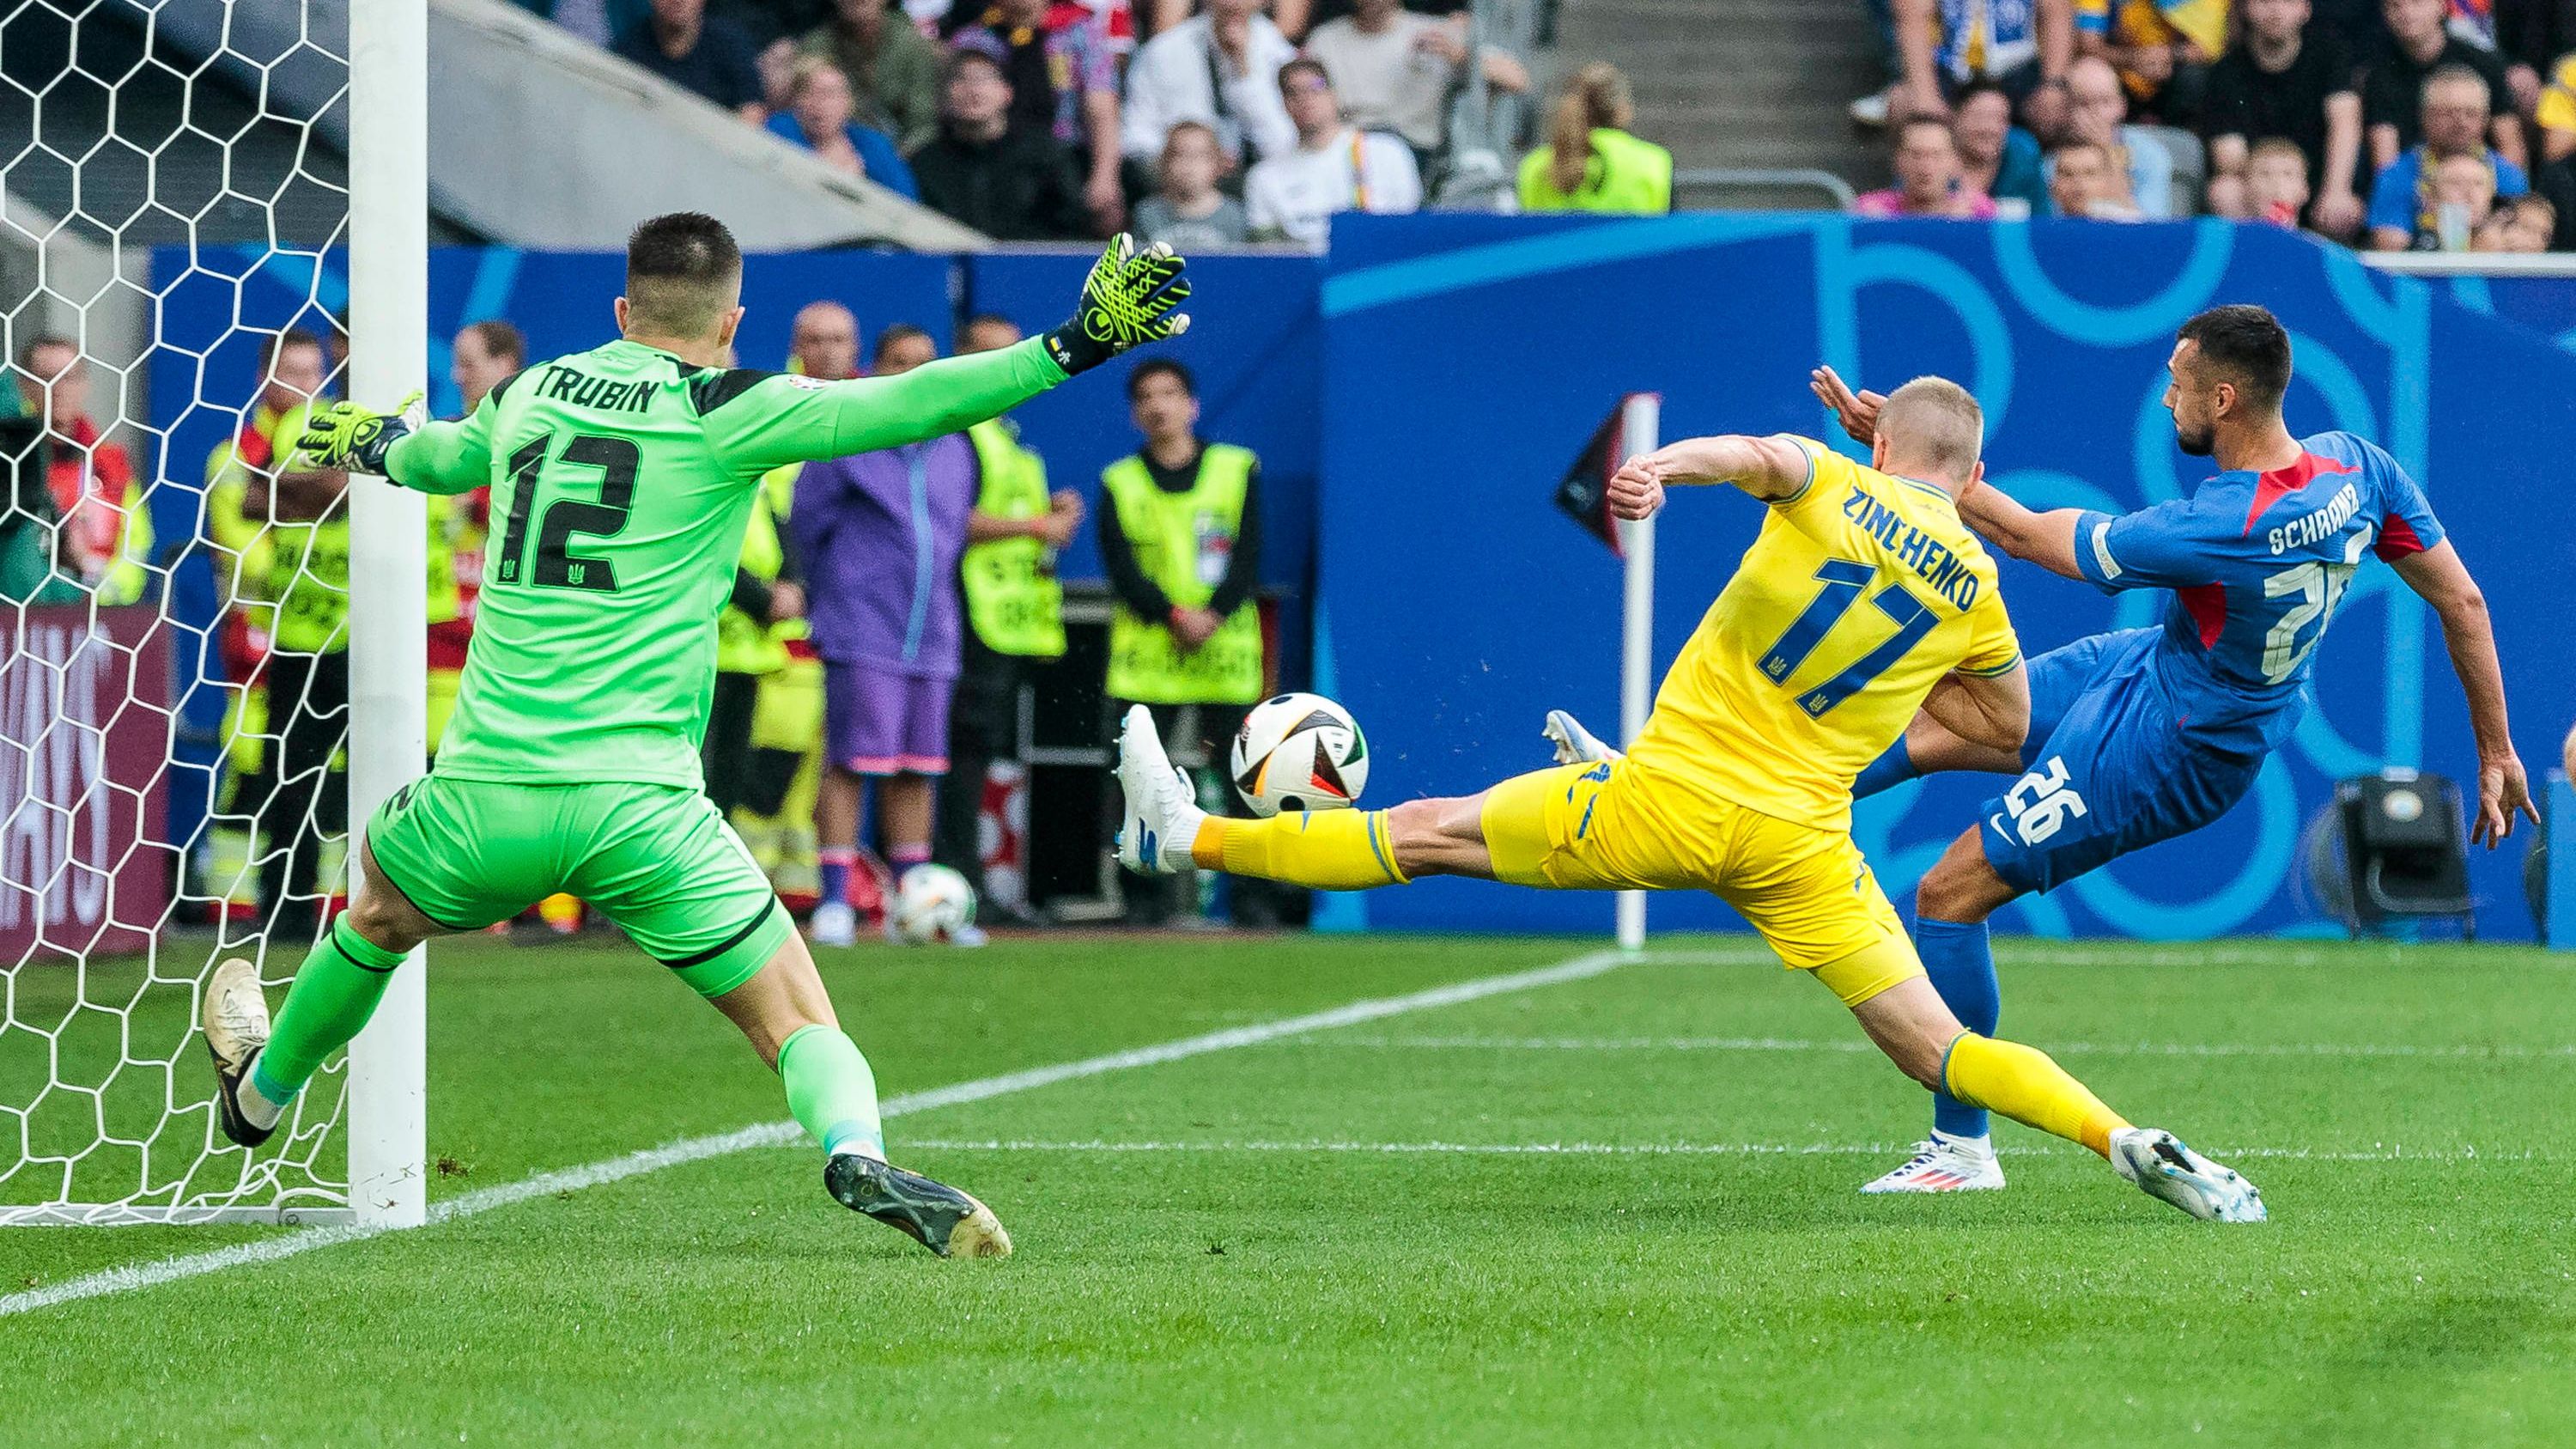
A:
1943, 1163
2163, 1168
234, 1017
835, 923
1160, 817
1575, 745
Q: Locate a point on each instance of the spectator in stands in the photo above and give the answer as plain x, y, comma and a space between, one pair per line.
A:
2086, 180
818, 118
880, 535
1396, 70
2554, 111
2460, 193
1590, 162
102, 532
1335, 167
1995, 156
2026, 48
1221, 69
2275, 182
2097, 110
2162, 49
1181, 542
2392, 86
710, 57
893, 68
1009, 183
2557, 184
1928, 183
2454, 125
2279, 81
1014, 620
1189, 213
1064, 85
2517, 224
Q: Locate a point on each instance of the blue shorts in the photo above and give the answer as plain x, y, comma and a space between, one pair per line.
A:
2110, 770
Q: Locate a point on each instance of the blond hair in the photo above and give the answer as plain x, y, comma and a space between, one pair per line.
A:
1598, 100
1934, 424
809, 69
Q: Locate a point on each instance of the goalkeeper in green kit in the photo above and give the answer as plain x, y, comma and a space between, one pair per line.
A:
622, 479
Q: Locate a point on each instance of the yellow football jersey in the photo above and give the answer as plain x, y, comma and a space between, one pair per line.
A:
1862, 591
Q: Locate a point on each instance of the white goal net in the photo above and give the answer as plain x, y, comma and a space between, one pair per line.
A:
195, 702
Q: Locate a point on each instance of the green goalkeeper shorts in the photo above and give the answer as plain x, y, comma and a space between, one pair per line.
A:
659, 860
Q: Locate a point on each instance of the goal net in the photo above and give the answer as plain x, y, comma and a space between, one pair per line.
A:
196, 701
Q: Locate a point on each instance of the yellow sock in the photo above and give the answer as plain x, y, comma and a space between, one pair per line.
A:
2024, 1084
1325, 850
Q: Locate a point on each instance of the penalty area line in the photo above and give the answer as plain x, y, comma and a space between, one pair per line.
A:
136, 1276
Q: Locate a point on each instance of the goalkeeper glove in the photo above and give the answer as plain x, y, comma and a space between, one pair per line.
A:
1126, 301
345, 435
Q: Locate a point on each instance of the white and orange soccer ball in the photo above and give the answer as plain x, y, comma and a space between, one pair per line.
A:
1299, 752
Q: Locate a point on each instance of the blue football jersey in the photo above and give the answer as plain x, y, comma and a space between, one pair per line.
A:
2257, 563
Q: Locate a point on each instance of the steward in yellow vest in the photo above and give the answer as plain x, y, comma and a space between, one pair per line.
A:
1181, 539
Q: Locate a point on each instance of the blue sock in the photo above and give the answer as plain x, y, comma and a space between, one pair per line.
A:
835, 866
1886, 772
1961, 962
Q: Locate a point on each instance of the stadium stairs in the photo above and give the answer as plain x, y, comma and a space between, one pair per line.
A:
1739, 84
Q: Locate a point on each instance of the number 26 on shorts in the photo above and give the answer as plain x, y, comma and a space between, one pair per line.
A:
2041, 802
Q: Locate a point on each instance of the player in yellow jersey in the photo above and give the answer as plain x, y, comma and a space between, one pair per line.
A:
1863, 598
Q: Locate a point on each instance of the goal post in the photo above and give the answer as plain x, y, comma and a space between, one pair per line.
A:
388, 612
170, 205
1640, 430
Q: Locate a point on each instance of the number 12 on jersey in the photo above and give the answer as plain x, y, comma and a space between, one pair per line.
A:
1843, 582
556, 566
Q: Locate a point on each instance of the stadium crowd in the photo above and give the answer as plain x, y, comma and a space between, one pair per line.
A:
1060, 120
2424, 125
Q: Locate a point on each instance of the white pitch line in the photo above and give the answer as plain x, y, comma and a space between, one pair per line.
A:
2461, 1051
697, 1149
1674, 1149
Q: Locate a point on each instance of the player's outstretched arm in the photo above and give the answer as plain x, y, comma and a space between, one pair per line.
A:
430, 457
2046, 539
1129, 298
2443, 581
1770, 469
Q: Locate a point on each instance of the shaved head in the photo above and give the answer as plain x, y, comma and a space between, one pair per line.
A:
683, 277
1932, 425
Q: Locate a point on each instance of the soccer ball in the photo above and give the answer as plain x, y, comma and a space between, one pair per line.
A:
1299, 752
931, 904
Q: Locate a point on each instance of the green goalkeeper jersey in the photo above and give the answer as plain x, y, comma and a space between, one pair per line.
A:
621, 482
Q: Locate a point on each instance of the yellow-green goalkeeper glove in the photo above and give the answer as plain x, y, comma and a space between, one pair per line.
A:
345, 435
1128, 300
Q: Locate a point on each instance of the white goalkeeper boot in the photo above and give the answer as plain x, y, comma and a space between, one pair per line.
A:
1575, 745
2163, 1168
1943, 1163
234, 1017
1161, 814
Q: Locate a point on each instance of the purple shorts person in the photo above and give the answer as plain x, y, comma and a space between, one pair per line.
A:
879, 721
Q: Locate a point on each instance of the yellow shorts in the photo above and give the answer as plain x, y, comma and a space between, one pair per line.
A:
1621, 826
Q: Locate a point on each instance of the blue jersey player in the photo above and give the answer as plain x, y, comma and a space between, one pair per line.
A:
2146, 734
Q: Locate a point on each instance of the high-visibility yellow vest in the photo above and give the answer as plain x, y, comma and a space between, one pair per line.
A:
444, 602
1623, 175
1182, 541
301, 569
1013, 599
745, 645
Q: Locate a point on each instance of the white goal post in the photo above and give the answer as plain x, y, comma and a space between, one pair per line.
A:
1640, 431
114, 905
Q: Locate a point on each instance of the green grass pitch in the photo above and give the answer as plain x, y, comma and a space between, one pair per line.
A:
1611, 1210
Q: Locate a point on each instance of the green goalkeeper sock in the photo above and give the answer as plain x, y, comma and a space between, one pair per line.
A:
335, 991
831, 1090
